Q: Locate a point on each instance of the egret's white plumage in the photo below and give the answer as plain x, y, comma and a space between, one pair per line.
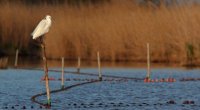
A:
42, 28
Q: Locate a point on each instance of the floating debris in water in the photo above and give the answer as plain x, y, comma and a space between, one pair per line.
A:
171, 102
188, 102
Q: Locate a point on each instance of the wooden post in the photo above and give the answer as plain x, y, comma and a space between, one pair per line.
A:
62, 79
79, 65
99, 66
16, 58
148, 62
46, 72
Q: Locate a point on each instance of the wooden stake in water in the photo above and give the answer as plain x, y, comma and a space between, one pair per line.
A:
148, 62
62, 79
16, 58
46, 72
79, 65
99, 66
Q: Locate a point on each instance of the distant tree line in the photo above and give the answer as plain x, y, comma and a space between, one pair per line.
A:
161, 2
55, 2
155, 3
86, 2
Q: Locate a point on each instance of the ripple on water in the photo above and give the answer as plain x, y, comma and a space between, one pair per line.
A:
18, 86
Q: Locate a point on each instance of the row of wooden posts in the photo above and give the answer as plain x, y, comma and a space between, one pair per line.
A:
62, 75
98, 59
78, 69
63, 59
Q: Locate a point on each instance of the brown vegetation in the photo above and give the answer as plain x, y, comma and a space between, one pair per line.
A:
3, 63
119, 30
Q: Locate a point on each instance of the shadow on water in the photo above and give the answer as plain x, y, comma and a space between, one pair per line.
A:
37, 62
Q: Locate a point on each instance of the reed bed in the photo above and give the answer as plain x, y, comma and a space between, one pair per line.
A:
119, 29
4, 63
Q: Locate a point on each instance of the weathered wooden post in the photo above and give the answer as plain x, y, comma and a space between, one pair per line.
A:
62, 79
38, 33
99, 66
46, 72
79, 65
148, 62
16, 58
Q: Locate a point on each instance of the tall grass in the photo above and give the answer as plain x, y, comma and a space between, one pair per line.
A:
3, 63
119, 30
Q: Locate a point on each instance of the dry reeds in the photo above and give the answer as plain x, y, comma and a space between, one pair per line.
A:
119, 30
3, 63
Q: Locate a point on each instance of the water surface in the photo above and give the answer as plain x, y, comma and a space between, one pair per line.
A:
18, 86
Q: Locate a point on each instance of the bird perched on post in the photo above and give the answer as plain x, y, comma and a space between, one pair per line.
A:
42, 28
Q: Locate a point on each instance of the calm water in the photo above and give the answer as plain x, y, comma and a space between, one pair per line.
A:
18, 86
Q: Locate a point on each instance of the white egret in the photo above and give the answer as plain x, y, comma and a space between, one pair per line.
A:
41, 29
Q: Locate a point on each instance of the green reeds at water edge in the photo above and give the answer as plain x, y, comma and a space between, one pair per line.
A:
4, 63
190, 60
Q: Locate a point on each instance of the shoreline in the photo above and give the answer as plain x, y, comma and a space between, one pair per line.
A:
37, 62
